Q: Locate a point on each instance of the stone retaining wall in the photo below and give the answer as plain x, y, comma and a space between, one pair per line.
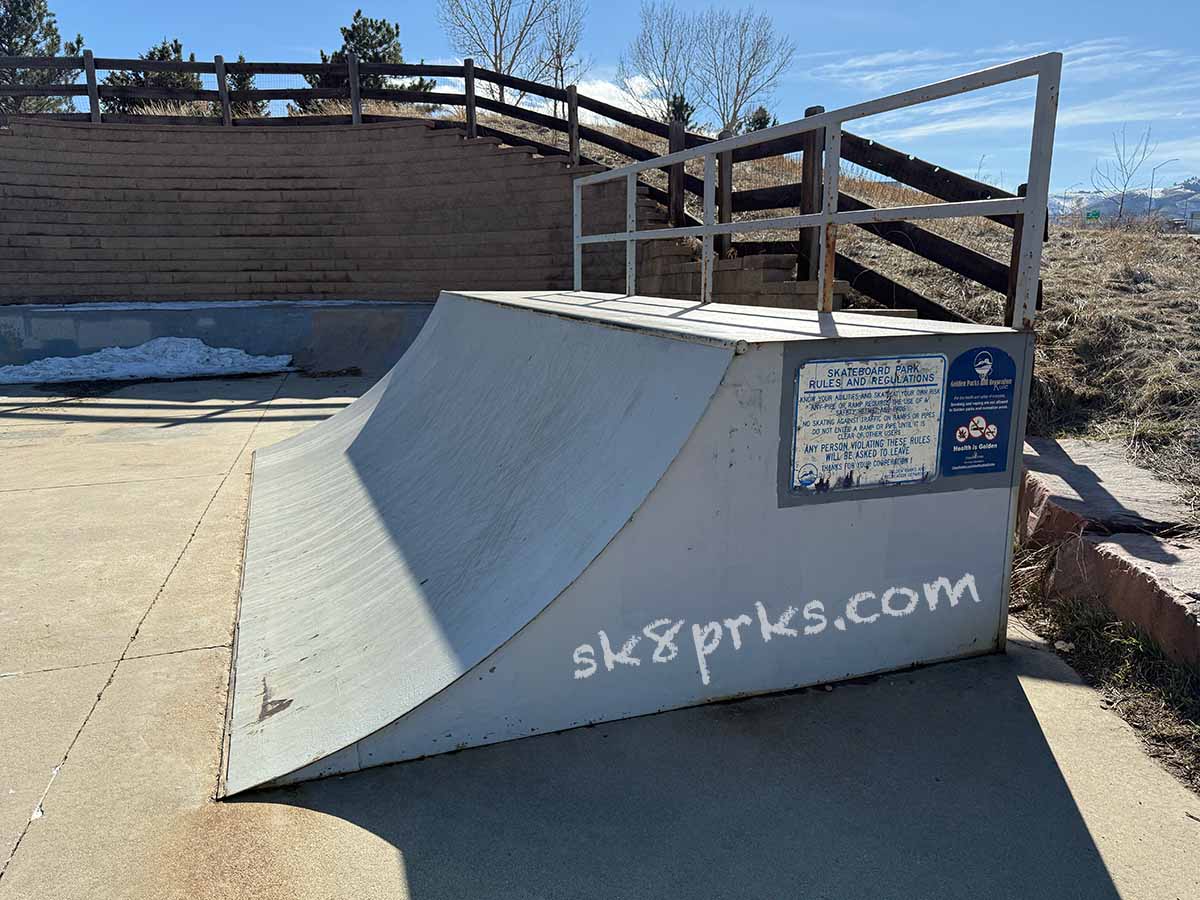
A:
391, 211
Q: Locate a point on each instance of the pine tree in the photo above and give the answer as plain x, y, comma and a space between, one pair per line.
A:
758, 120
679, 109
245, 109
29, 28
166, 51
372, 41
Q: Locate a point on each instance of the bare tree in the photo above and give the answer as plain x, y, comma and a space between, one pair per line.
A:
740, 58
1114, 178
662, 55
505, 35
562, 30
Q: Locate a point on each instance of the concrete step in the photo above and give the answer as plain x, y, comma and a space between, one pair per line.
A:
1113, 525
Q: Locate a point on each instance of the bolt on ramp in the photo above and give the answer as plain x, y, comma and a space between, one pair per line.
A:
560, 509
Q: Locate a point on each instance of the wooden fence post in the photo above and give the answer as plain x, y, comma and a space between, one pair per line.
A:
573, 124
724, 194
1010, 302
676, 140
223, 91
811, 199
355, 88
89, 67
469, 90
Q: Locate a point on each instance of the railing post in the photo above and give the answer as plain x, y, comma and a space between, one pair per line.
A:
724, 194
1014, 262
808, 260
573, 124
1033, 228
676, 140
577, 233
89, 67
828, 231
469, 90
223, 91
706, 242
631, 224
355, 88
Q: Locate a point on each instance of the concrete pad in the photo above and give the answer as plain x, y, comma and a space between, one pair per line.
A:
88, 461
131, 816
116, 447
1151, 582
39, 716
155, 404
198, 602
16, 396
84, 563
998, 771
148, 751
157, 410
1144, 822
1002, 771
1094, 481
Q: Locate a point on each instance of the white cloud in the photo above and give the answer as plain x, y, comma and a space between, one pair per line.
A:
633, 96
1096, 78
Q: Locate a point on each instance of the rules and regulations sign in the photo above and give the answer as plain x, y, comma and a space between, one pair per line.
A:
867, 422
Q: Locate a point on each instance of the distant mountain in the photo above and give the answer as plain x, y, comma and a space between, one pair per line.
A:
1172, 202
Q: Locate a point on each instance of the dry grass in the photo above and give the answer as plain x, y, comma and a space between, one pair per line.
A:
1158, 697
369, 108
1119, 347
178, 108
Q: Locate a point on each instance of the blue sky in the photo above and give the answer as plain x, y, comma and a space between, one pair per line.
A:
1125, 65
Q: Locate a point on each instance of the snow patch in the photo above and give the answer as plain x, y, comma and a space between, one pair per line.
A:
164, 357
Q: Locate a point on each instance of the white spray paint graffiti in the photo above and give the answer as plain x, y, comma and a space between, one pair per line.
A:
895, 602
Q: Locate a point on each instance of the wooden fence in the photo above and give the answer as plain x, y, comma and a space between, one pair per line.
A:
804, 195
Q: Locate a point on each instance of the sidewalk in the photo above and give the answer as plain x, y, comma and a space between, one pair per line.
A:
999, 776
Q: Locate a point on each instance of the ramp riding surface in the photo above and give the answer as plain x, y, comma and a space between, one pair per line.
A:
395, 546
560, 509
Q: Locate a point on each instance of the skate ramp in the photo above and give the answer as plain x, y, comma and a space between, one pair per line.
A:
566, 509
393, 547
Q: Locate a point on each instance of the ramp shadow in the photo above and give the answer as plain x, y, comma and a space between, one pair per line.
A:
935, 783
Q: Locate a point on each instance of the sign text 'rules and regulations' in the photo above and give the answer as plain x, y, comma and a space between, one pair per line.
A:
867, 422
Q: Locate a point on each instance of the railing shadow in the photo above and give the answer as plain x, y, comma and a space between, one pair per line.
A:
172, 404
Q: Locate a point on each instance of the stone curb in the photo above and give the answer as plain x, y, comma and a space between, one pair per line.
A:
1141, 578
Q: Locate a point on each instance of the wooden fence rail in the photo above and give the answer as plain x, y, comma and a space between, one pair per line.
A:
908, 170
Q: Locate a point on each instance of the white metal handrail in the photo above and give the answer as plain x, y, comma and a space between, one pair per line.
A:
1047, 68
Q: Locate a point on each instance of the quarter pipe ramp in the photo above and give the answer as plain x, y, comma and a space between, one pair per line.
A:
559, 509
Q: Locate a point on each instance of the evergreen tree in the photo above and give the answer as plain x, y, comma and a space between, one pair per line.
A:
166, 51
29, 28
372, 41
245, 109
758, 120
679, 109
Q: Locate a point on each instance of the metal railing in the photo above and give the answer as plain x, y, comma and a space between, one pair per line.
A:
1046, 68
